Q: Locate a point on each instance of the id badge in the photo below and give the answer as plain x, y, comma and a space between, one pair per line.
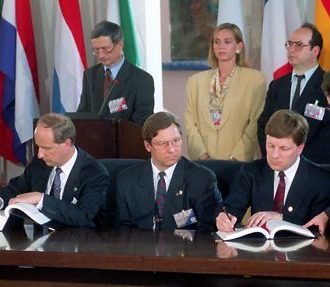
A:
117, 105
314, 112
185, 218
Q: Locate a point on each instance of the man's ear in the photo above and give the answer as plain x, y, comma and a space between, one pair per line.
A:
301, 147
147, 145
316, 51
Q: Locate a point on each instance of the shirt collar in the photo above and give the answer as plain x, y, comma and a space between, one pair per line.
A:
67, 167
291, 171
115, 67
308, 74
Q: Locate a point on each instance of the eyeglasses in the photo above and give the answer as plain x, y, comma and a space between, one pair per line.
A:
176, 142
105, 50
295, 45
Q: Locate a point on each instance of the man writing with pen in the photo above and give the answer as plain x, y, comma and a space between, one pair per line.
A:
284, 185
168, 191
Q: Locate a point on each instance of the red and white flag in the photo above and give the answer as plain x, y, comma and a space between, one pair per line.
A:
69, 57
281, 18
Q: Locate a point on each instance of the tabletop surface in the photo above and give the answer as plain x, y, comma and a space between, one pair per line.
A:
178, 251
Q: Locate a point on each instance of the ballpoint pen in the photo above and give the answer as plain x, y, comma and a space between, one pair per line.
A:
229, 217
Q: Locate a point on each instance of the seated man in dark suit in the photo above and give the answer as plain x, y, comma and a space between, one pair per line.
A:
285, 185
168, 191
62, 181
114, 87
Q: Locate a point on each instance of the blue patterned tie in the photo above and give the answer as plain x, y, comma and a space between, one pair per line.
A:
56, 188
161, 193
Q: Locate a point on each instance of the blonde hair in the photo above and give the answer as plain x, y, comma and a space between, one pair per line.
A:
240, 57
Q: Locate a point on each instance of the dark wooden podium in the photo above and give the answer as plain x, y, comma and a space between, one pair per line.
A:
109, 138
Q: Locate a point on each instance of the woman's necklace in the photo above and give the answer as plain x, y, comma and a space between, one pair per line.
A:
218, 93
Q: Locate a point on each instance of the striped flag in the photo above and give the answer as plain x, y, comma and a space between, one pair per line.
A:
281, 18
120, 12
19, 94
69, 57
231, 11
322, 22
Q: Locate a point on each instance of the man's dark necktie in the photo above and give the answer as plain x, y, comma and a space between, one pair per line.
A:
278, 202
160, 195
108, 82
56, 187
297, 92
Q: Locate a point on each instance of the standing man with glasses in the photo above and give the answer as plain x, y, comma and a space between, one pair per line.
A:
168, 191
301, 91
115, 88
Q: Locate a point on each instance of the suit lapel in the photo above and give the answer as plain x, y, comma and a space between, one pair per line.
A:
72, 183
174, 199
204, 84
97, 90
120, 81
310, 90
300, 181
267, 188
285, 93
145, 195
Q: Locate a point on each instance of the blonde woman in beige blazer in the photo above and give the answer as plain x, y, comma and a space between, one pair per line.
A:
224, 103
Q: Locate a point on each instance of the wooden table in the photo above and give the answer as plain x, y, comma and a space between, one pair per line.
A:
86, 257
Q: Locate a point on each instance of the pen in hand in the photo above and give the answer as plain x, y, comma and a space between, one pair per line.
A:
229, 217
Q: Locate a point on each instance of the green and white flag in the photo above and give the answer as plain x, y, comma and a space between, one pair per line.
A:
120, 12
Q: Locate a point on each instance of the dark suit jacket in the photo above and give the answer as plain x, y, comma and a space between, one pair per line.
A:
136, 196
131, 83
278, 97
308, 195
86, 184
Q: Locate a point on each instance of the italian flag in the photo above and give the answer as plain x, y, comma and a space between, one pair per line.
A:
120, 12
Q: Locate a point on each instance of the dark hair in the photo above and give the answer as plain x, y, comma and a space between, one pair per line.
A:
108, 29
62, 126
326, 83
156, 122
317, 39
286, 123
240, 57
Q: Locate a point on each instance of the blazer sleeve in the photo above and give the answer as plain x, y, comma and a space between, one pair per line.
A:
195, 144
83, 105
208, 204
239, 198
248, 141
144, 102
317, 149
264, 117
34, 178
123, 217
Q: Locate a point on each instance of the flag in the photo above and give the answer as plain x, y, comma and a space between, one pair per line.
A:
231, 11
322, 22
69, 57
19, 96
281, 18
120, 12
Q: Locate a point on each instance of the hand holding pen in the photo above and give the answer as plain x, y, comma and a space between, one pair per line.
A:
225, 221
